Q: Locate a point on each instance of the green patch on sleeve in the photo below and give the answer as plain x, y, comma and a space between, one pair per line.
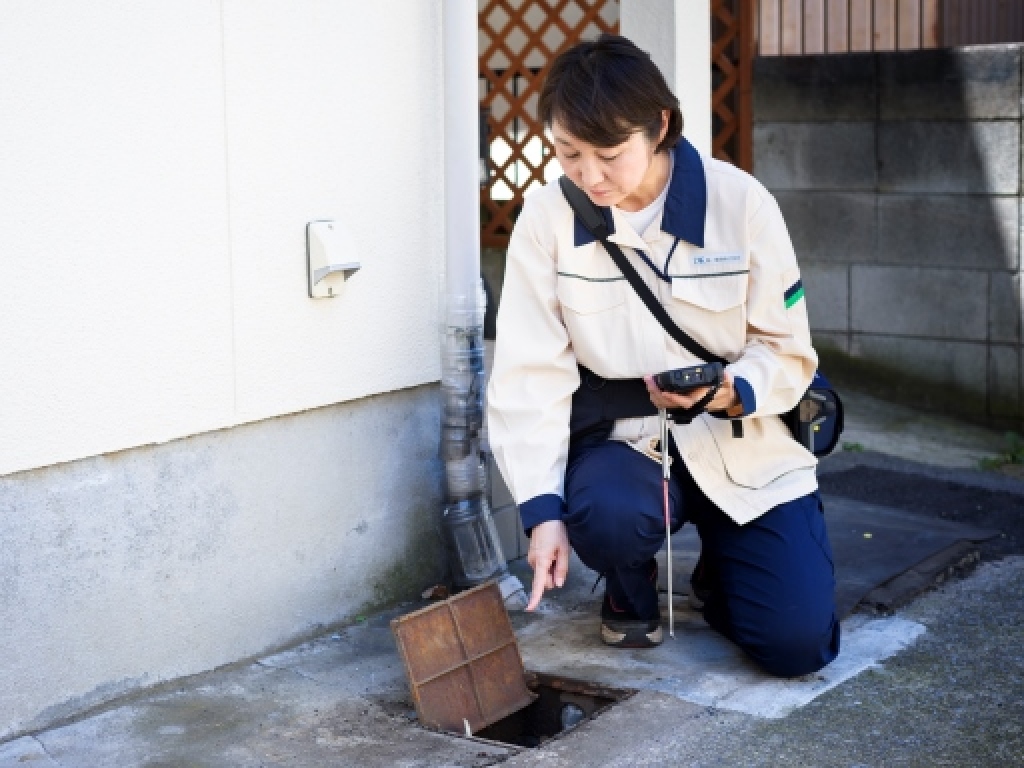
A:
794, 293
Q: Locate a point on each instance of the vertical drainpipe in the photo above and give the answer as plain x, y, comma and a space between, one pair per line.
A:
461, 142
471, 540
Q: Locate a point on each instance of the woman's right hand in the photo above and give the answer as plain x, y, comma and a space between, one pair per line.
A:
549, 558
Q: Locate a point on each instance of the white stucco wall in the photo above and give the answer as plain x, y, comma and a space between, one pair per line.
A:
158, 164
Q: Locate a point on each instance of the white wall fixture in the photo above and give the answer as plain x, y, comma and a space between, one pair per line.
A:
329, 263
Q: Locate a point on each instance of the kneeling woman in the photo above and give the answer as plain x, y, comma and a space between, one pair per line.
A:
711, 244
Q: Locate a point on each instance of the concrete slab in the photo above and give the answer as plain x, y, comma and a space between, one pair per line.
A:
949, 157
956, 559
255, 716
830, 227
951, 697
25, 752
953, 231
871, 544
912, 435
979, 82
650, 729
827, 88
698, 665
1005, 307
342, 699
916, 301
958, 365
361, 660
987, 500
828, 296
818, 156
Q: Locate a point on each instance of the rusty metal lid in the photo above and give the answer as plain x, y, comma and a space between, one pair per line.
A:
462, 661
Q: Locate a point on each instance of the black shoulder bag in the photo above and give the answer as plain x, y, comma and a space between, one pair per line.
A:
817, 420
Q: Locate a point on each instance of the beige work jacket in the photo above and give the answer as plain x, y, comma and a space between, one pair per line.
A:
732, 283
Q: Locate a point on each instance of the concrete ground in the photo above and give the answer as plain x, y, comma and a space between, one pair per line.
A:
927, 438
941, 682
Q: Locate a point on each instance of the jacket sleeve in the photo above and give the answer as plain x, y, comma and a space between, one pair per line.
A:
534, 374
777, 361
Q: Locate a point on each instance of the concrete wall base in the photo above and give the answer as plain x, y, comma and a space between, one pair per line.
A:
124, 570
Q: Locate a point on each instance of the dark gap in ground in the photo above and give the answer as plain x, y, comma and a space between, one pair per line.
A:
1001, 510
561, 704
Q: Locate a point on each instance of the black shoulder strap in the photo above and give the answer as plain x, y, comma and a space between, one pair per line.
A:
592, 219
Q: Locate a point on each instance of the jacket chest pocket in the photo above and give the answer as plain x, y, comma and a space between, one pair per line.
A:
711, 292
588, 296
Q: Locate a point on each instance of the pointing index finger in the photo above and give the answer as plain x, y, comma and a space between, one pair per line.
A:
540, 576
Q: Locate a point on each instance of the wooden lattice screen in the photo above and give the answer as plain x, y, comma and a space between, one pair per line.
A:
732, 53
518, 41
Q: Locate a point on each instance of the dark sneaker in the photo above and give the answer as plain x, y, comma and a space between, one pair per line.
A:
623, 629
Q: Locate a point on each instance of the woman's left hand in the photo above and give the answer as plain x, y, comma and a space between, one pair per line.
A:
725, 399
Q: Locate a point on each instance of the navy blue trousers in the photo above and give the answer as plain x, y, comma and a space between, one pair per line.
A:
771, 581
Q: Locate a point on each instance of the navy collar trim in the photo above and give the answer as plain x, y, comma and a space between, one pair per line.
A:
686, 205
582, 236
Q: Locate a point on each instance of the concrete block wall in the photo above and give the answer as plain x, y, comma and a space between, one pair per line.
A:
900, 178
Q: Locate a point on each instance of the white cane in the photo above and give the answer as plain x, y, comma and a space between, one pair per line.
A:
665, 475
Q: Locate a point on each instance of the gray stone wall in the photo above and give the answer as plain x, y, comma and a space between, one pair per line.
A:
900, 178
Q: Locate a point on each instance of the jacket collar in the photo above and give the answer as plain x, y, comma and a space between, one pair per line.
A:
685, 207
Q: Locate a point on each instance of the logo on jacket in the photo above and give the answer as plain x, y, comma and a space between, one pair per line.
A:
706, 259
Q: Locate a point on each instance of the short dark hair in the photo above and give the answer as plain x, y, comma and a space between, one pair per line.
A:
604, 90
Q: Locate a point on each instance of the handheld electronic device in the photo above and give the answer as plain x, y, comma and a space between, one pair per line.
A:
683, 380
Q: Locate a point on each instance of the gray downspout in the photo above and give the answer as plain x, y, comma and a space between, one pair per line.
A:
471, 540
